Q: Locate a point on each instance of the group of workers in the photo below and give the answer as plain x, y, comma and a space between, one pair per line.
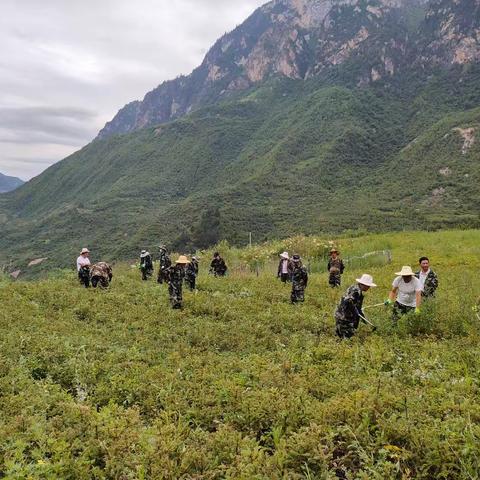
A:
408, 288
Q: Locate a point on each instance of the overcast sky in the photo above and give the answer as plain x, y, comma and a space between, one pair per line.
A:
68, 66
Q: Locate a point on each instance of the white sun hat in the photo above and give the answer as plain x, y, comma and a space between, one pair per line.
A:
406, 272
366, 280
284, 255
84, 250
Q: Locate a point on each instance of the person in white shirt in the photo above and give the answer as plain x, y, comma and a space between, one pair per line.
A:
83, 267
284, 268
406, 293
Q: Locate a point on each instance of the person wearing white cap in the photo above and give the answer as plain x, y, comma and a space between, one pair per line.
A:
284, 268
406, 293
349, 310
83, 267
146, 264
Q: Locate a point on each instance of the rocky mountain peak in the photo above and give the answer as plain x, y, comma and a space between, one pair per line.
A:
299, 39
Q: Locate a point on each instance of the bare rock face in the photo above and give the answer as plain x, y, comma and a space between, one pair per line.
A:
372, 40
468, 136
452, 30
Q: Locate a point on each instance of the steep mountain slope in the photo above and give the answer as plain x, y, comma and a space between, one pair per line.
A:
356, 42
293, 38
378, 134
288, 158
8, 184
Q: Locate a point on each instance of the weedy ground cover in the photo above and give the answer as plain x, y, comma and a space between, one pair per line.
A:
240, 384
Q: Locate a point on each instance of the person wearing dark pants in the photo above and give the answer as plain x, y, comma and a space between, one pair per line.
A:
299, 280
83, 267
406, 293
284, 268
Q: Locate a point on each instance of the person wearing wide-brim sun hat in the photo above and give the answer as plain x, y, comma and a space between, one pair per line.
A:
335, 268
284, 268
349, 310
146, 264
406, 293
83, 267
175, 277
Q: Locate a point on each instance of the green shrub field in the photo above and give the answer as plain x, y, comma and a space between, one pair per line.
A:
240, 384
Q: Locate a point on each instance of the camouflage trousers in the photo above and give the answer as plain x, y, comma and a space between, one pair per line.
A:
190, 282
146, 273
345, 327
103, 282
162, 276
298, 294
175, 293
335, 279
400, 310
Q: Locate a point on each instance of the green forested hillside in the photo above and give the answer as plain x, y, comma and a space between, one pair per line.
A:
240, 384
287, 157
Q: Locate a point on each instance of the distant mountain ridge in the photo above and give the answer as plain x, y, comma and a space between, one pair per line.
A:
299, 39
8, 184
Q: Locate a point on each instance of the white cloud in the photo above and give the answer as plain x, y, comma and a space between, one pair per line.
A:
94, 57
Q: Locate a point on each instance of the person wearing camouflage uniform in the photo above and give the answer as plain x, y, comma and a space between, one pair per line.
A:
165, 264
335, 268
218, 267
146, 265
175, 276
101, 274
349, 310
191, 273
299, 280
427, 277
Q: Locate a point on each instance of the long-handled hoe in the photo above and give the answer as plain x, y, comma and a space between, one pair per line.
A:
368, 322
374, 306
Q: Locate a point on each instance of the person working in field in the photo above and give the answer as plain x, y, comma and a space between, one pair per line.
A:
349, 310
299, 280
335, 267
165, 264
218, 267
191, 273
428, 278
83, 267
101, 274
175, 276
284, 268
406, 293
146, 264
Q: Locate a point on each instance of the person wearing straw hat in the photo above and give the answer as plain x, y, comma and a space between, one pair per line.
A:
406, 293
175, 276
146, 264
335, 268
349, 310
83, 267
284, 268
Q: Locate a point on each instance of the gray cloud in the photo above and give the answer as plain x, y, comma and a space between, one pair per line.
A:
67, 67
61, 125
